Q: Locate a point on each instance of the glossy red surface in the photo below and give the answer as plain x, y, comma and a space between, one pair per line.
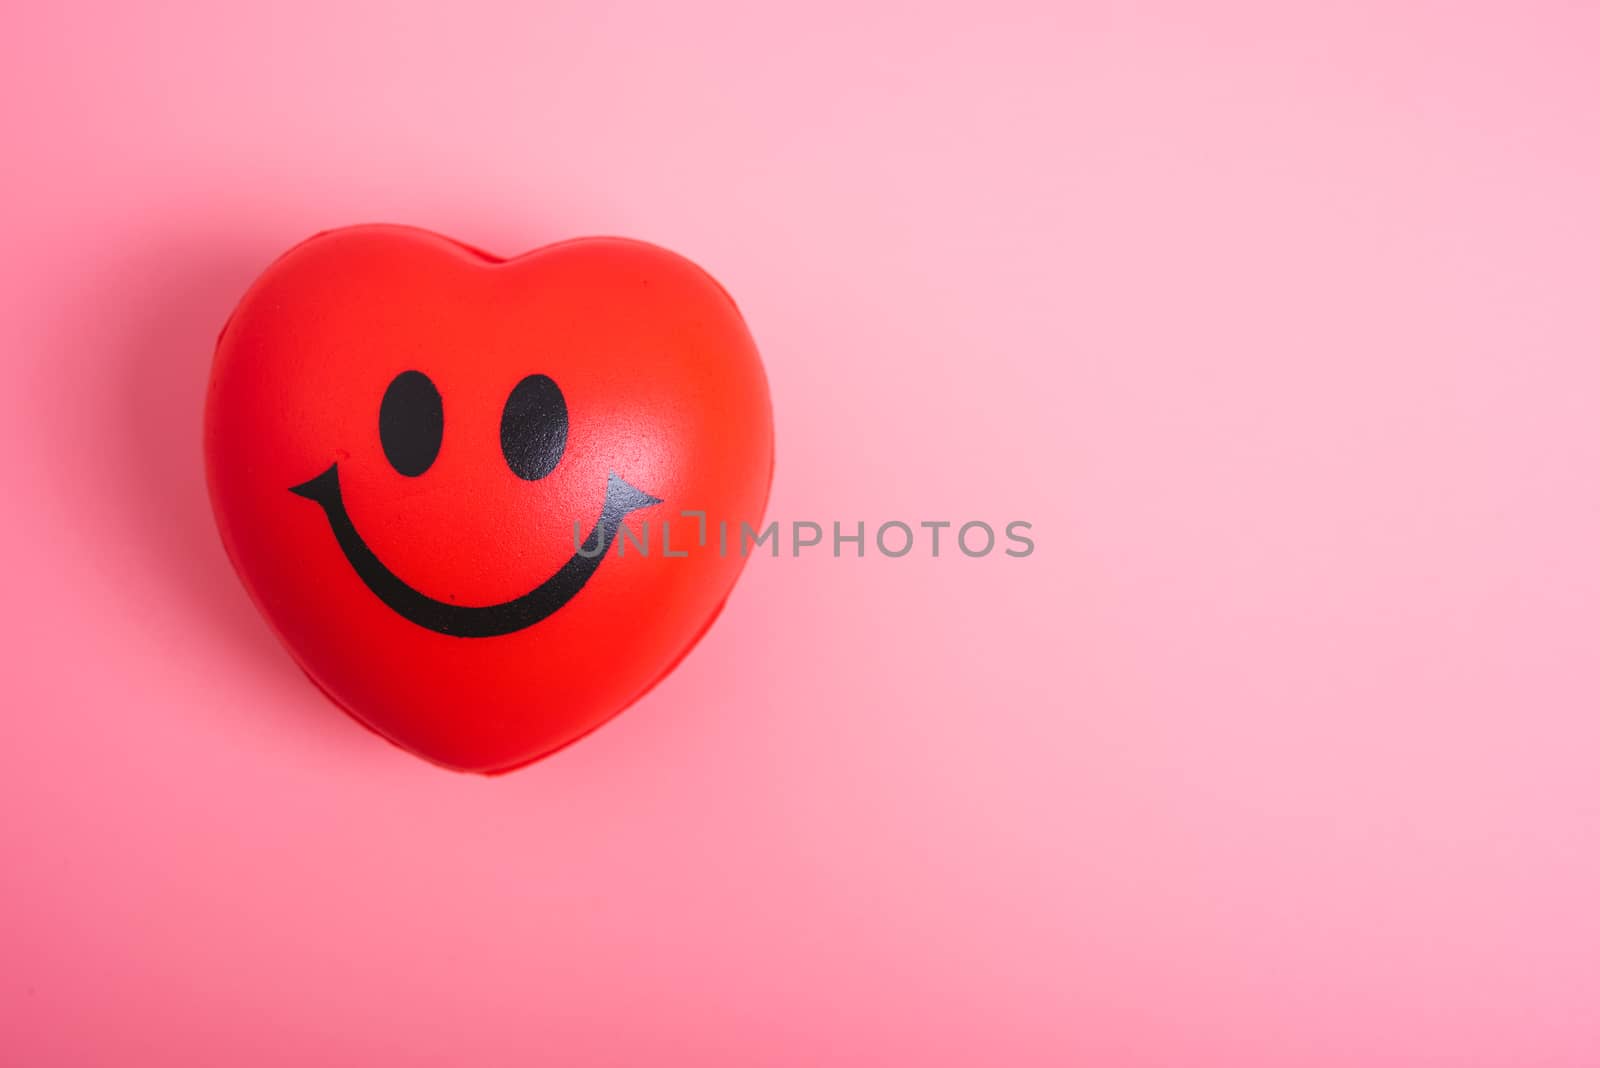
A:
663, 388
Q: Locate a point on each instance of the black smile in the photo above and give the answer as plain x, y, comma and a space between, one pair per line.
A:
463, 621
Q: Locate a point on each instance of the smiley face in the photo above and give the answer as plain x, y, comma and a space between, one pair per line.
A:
413, 449
533, 435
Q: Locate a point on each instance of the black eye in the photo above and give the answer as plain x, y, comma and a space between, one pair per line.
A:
411, 423
533, 430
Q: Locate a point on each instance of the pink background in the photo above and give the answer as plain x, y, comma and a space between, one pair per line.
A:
1280, 326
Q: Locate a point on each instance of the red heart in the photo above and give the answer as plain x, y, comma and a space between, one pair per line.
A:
415, 449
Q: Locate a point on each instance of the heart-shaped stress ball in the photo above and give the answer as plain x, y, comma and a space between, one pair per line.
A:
455, 484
